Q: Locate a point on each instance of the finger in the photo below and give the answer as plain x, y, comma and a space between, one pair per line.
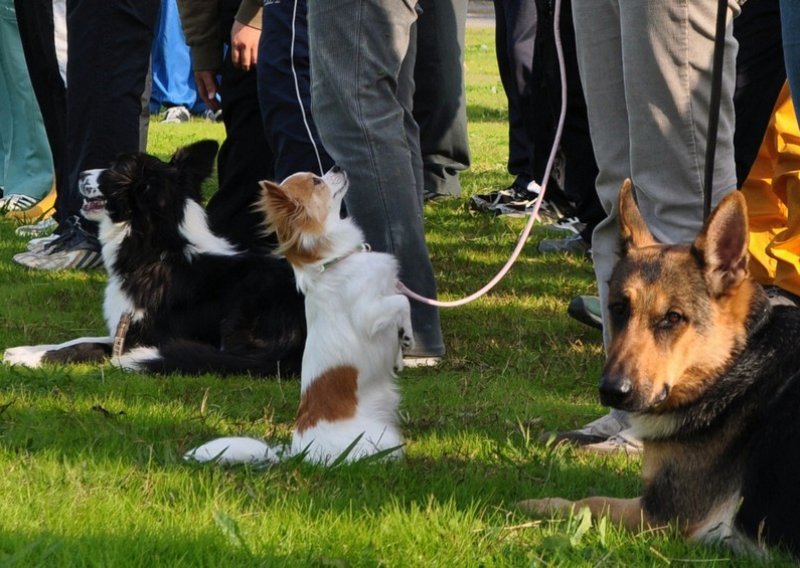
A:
207, 88
235, 55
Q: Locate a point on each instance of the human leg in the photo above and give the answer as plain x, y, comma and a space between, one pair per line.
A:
28, 165
362, 64
37, 25
515, 35
109, 56
284, 91
440, 106
760, 75
790, 21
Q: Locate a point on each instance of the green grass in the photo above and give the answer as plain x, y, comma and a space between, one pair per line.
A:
90, 456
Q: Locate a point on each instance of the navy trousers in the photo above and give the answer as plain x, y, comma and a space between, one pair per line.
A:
284, 91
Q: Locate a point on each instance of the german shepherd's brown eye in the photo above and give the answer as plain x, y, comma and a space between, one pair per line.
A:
618, 309
670, 320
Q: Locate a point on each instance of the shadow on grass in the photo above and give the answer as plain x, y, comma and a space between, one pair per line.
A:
147, 548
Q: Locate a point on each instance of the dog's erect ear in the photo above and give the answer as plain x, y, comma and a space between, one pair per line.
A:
632, 228
196, 161
722, 244
270, 188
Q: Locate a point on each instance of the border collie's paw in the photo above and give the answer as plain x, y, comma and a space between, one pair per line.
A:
137, 359
26, 355
234, 450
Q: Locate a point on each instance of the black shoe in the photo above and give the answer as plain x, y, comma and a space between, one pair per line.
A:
780, 297
586, 309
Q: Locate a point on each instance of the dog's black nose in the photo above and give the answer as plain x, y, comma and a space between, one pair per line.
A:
616, 392
336, 169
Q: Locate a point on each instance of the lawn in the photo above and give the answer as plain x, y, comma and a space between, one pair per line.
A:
91, 456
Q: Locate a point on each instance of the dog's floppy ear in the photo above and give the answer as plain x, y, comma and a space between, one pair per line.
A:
196, 162
722, 244
632, 228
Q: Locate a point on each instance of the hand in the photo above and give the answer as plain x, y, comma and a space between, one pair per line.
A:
207, 87
244, 45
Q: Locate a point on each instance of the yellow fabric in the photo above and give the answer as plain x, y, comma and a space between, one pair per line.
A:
772, 191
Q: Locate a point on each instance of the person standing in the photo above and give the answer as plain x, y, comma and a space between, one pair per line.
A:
26, 166
362, 88
440, 102
646, 70
107, 75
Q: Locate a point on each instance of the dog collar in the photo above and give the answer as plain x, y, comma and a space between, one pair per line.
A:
119, 336
364, 247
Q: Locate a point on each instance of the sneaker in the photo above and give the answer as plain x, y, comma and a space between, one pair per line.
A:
625, 441
779, 297
485, 202
595, 432
17, 202
522, 206
569, 224
43, 209
586, 309
41, 242
411, 362
74, 248
570, 245
176, 114
43, 227
429, 195
213, 115
45, 259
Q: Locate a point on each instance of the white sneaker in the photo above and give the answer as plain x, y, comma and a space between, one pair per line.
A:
625, 441
594, 432
77, 259
43, 227
410, 362
41, 242
176, 114
17, 202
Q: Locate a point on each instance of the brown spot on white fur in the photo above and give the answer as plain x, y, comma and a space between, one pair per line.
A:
331, 397
296, 211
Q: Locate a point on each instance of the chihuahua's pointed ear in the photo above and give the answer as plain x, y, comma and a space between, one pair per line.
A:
633, 230
271, 189
722, 244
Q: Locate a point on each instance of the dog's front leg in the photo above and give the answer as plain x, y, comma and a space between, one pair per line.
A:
83, 349
626, 512
391, 312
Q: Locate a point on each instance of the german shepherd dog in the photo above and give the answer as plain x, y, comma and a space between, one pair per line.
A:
708, 371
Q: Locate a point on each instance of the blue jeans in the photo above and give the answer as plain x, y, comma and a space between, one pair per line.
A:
790, 22
26, 165
362, 63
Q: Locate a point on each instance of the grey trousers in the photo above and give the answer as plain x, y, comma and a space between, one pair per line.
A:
440, 103
646, 72
362, 87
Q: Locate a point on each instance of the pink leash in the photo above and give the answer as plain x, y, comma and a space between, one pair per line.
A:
534, 215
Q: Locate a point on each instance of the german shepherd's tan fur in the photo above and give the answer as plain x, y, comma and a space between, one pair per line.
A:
708, 371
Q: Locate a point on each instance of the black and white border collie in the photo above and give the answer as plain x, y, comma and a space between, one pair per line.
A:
190, 301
